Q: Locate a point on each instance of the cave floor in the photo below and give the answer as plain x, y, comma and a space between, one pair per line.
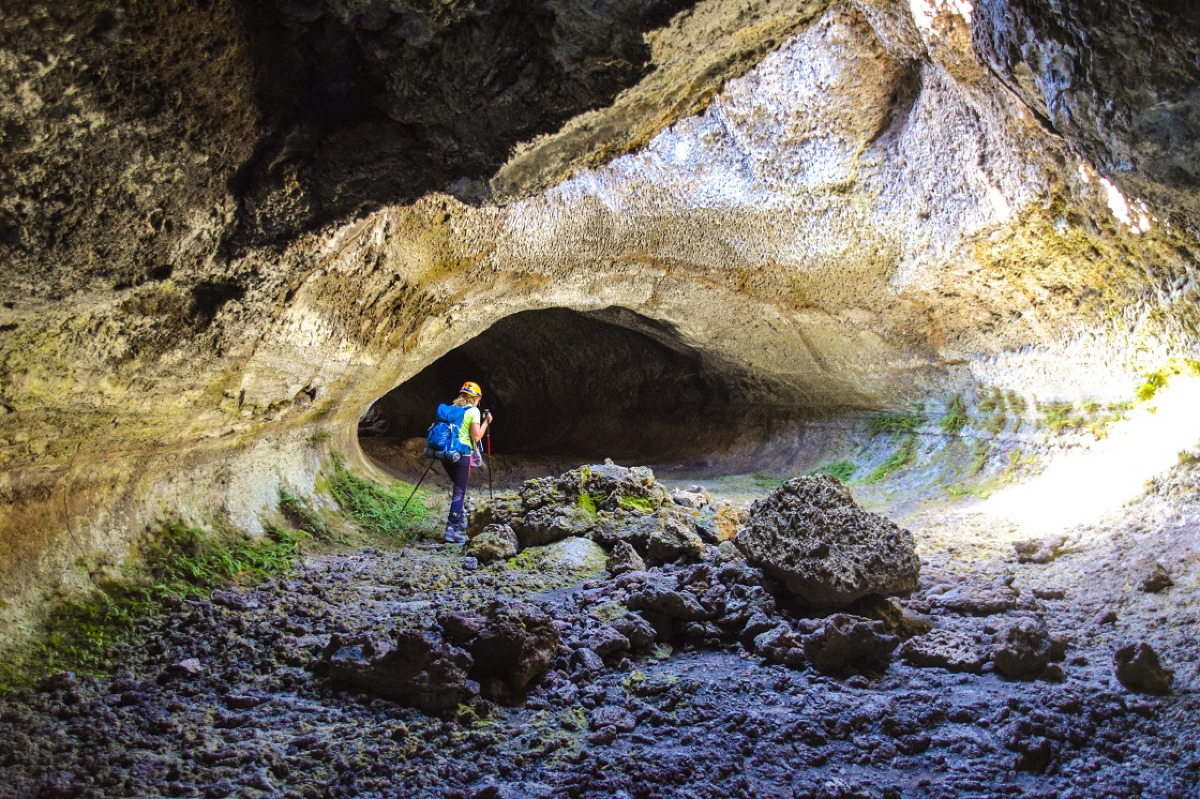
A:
217, 698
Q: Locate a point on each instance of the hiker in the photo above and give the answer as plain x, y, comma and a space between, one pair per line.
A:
470, 431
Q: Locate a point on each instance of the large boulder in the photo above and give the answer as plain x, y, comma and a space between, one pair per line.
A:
810, 535
414, 668
513, 650
846, 643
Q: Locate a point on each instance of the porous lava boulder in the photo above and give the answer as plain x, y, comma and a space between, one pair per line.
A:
945, 649
1139, 669
415, 668
812, 537
494, 542
513, 650
848, 643
1022, 651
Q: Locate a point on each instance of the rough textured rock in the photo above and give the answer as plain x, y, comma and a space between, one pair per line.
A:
1158, 579
1022, 651
811, 535
513, 650
946, 649
825, 206
846, 643
1139, 669
414, 668
624, 558
494, 542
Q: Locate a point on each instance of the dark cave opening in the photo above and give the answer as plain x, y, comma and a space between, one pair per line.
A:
564, 384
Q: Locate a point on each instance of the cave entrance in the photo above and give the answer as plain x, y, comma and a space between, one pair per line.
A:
572, 387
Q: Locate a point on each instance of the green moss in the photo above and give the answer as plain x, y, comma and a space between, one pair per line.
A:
178, 561
638, 504
587, 504
955, 418
608, 611
842, 470
980, 452
377, 509
767, 482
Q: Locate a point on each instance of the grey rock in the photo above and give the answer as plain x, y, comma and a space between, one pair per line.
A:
514, 649
1158, 580
414, 668
946, 649
624, 558
1040, 550
1022, 650
681, 605
1139, 669
810, 534
977, 600
639, 632
494, 542
848, 643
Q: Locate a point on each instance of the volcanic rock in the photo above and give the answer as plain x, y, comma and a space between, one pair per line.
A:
624, 558
1139, 669
946, 649
494, 542
1159, 579
849, 643
513, 650
810, 534
1022, 651
414, 668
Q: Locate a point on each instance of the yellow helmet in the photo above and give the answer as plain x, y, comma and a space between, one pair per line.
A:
471, 388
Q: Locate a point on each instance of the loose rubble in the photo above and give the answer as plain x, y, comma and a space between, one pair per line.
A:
585, 666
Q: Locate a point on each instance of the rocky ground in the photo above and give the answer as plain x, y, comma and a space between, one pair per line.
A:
650, 658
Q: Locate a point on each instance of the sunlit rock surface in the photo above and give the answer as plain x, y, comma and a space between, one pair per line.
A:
827, 207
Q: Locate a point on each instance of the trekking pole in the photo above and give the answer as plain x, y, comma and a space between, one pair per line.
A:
491, 462
418, 485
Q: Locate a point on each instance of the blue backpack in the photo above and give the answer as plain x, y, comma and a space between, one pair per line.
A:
442, 440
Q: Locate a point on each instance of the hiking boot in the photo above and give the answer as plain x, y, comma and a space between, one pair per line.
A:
454, 536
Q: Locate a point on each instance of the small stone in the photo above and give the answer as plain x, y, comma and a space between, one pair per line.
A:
1138, 669
1158, 580
624, 558
1022, 650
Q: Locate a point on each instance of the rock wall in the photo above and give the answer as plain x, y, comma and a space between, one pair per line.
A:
839, 205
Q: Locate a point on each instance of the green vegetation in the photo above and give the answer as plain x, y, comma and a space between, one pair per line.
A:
377, 509
587, 504
994, 409
981, 450
179, 561
639, 504
959, 490
902, 426
320, 437
896, 424
842, 470
768, 482
301, 516
955, 418
904, 456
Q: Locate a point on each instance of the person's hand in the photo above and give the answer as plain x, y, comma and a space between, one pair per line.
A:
487, 416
